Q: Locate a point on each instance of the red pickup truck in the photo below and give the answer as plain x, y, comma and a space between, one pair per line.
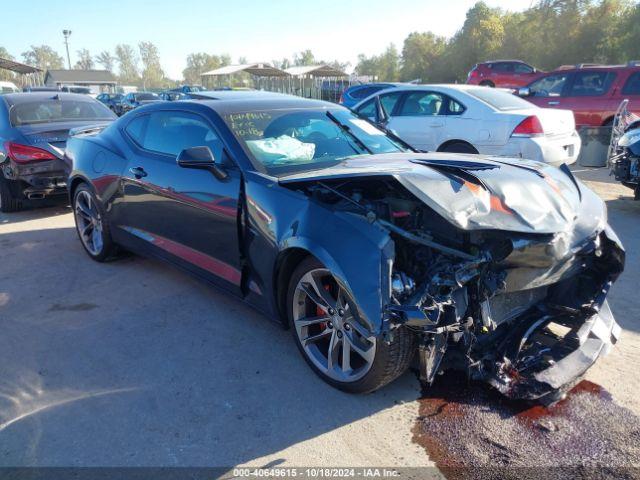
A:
593, 93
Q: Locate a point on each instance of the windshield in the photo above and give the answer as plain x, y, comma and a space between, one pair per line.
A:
498, 99
282, 141
51, 110
146, 96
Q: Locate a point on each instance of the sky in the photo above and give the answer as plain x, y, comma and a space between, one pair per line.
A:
260, 31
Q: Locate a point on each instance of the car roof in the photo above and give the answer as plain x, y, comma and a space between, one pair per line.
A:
504, 61
591, 68
25, 97
234, 101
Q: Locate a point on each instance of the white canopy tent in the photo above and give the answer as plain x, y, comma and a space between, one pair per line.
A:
263, 75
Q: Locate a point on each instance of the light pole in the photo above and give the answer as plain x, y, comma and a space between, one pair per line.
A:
66, 34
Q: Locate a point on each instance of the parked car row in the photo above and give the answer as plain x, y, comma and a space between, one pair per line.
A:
591, 91
473, 119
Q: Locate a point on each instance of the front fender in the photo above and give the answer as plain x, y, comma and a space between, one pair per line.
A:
360, 256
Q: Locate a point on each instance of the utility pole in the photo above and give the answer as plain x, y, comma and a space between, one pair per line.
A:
66, 34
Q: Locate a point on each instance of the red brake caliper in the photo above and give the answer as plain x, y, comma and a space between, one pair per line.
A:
321, 311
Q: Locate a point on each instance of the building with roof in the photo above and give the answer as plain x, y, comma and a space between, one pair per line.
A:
98, 81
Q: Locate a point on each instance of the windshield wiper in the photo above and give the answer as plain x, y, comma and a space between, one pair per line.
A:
346, 129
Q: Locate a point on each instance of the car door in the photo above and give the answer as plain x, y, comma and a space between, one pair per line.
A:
588, 95
522, 75
186, 215
549, 91
419, 118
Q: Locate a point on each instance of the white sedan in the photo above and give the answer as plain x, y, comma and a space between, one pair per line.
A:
473, 119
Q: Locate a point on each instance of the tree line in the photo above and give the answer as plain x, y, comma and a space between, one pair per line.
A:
549, 34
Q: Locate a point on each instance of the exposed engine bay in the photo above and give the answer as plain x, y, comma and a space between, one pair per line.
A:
513, 309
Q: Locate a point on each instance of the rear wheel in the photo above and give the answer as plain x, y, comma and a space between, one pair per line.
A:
458, 147
9, 201
487, 83
92, 225
332, 337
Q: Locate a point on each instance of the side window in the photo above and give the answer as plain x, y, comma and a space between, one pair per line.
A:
389, 100
422, 104
136, 129
591, 84
170, 132
368, 109
549, 86
366, 91
632, 85
454, 108
503, 67
522, 68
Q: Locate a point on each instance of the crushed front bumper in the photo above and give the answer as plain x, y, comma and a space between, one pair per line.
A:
597, 336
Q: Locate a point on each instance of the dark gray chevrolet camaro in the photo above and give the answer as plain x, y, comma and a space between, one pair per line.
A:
375, 255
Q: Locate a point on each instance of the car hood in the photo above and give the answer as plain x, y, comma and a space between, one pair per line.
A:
476, 192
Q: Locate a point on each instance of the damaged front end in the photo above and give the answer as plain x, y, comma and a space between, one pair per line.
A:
521, 305
529, 340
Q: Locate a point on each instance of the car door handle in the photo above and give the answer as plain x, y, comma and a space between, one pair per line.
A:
553, 103
436, 125
138, 172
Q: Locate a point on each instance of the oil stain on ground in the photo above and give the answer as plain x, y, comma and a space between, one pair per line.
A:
471, 432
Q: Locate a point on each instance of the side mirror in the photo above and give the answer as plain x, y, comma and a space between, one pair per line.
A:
201, 158
524, 92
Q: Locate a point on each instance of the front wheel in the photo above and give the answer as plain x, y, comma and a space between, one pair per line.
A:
92, 225
333, 339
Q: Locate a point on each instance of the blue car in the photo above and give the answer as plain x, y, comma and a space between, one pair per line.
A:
355, 93
371, 253
34, 128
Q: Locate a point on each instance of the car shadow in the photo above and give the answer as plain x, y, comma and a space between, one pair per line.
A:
44, 209
133, 363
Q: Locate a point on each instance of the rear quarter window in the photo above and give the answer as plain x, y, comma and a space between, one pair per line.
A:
498, 99
632, 85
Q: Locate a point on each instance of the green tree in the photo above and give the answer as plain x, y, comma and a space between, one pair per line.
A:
43, 57
198, 63
128, 64
106, 60
385, 67
282, 64
421, 56
85, 60
6, 75
152, 73
304, 58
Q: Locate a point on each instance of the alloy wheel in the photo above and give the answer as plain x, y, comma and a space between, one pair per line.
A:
89, 223
329, 329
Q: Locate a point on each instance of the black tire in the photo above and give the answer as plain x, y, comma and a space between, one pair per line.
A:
9, 201
390, 361
458, 147
109, 248
487, 83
